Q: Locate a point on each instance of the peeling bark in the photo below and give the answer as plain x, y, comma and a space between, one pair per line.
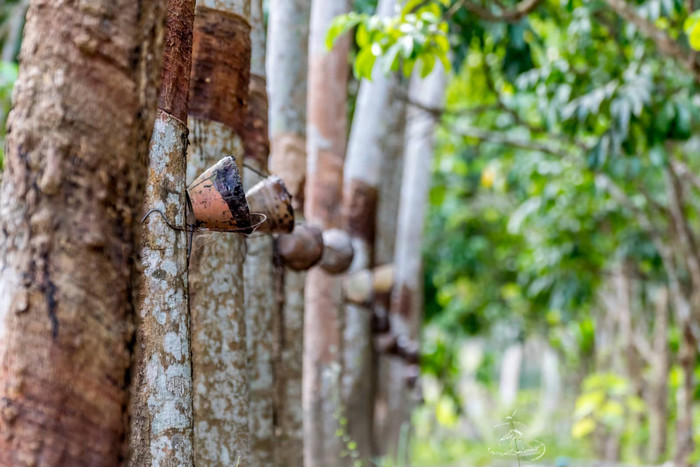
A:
218, 94
76, 155
323, 320
161, 398
287, 65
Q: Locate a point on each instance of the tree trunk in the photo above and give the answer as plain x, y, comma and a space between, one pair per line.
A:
406, 300
509, 381
687, 356
658, 404
390, 371
328, 72
363, 170
218, 96
258, 269
287, 65
161, 403
70, 208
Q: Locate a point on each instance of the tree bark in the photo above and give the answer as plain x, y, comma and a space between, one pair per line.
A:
218, 96
658, 404
687, 356
323, 323
77, 147
258, 269
161, 403
363, 170
287, 66
390, 371
406, 299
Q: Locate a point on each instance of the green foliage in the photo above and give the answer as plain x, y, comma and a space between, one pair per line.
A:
607, 403
417, 35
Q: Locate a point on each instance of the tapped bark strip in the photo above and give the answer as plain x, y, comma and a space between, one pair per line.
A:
218, 93
161, 396
220, 66
76, 166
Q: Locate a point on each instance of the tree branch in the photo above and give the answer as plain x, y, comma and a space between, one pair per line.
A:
663, 42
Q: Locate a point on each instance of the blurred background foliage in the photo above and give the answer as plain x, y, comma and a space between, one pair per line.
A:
563, 222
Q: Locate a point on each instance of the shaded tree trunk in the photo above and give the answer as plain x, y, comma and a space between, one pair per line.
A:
323, 323
258, 269
687, 356
218, 96
72, 194
389, 371
406, 299
362, 176
658, 391
287, 65
161, 404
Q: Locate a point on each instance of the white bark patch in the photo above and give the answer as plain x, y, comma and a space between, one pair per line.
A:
162, 393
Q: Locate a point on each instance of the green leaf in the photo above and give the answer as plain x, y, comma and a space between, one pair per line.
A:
362, 36
583, 428
427, 65
340, 25
364, 63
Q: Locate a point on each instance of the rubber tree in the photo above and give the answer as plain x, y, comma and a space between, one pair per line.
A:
362, 178
258, 268
218, 95
70, 211
406, 299
323, 320
287, 69
389, 371
161, 400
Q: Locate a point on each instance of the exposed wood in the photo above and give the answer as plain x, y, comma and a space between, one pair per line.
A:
218, 94
160, 409
323, 323
76, 167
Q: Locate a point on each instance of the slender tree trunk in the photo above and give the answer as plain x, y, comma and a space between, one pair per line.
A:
687, 356
218, 96
390, 371
258, 269
287, 65
509, 381
407, 303
658, 404
406, 300
363, 171
161, 403
323, 324
77, 149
